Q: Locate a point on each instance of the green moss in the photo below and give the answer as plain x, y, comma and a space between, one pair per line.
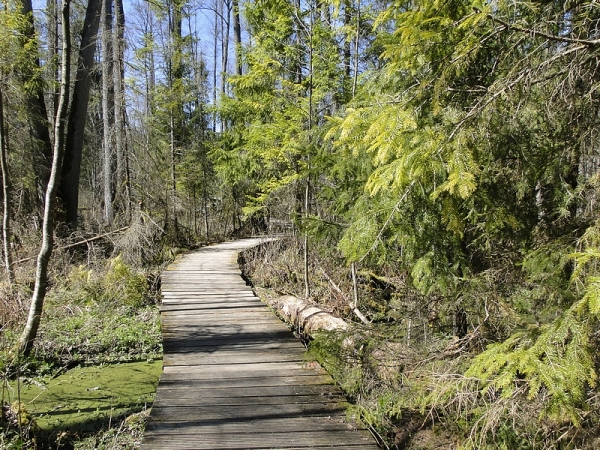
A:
84, 397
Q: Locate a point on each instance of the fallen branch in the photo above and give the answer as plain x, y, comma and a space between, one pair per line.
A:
77, 244
353, 306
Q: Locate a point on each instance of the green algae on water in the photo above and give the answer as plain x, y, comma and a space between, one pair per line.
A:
86, 397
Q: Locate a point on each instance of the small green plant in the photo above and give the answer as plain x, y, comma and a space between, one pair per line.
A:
123, 285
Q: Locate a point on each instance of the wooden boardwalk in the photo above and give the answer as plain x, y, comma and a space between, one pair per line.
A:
234, 376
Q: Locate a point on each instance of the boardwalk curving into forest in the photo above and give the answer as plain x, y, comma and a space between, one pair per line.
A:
234, 376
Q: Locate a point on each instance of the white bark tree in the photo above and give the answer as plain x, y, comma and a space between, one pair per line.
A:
41, 282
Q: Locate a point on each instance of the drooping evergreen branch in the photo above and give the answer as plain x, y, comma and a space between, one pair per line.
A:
552, 37
388, 220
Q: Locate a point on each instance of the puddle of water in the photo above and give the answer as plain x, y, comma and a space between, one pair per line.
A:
84, 396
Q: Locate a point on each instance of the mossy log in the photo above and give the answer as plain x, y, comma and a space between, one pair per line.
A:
305, 316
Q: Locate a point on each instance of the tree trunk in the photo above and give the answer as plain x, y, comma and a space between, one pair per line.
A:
237, 36
306, 254
150, 77
36, 105
122, 199
6, 232
205, 198
39, 291
69, 183
107, 111
347, 43
310, 125
214, 80
151, 69
176, 112
173, 176
226, 23
356, 43
52, 64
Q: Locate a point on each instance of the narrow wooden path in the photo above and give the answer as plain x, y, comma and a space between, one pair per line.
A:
234, 376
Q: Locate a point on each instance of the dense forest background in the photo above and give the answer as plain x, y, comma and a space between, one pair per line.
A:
434, 164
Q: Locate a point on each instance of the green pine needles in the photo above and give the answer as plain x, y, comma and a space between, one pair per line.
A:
556, 360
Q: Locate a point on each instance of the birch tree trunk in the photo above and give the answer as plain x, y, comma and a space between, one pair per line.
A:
41, 282
52, 64
225, 27
6, 211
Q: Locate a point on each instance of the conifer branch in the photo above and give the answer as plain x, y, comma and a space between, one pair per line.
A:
552, 37
482, 105
387, 222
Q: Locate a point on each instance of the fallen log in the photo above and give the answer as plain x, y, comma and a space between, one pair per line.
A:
305, 316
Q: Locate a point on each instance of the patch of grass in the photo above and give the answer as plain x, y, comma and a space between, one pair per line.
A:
100, 335
127, 435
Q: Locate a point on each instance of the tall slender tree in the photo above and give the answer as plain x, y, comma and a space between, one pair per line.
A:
39, 292
6, 195
122, 188
108, 111
237, 36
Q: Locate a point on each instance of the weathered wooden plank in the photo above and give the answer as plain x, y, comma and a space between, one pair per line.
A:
195, 359
185, 290
172, 446
175, 380
212, 345
219, 402
240, 323
205, 281
254, 412
212, 303
249, 426
268, 440
204, 336
225, 294
268, 389
226, 372
186, 308
258, 316
196, 314
226, 329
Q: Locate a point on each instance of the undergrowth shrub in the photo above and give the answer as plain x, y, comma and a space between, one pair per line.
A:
121, 283
115, 284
